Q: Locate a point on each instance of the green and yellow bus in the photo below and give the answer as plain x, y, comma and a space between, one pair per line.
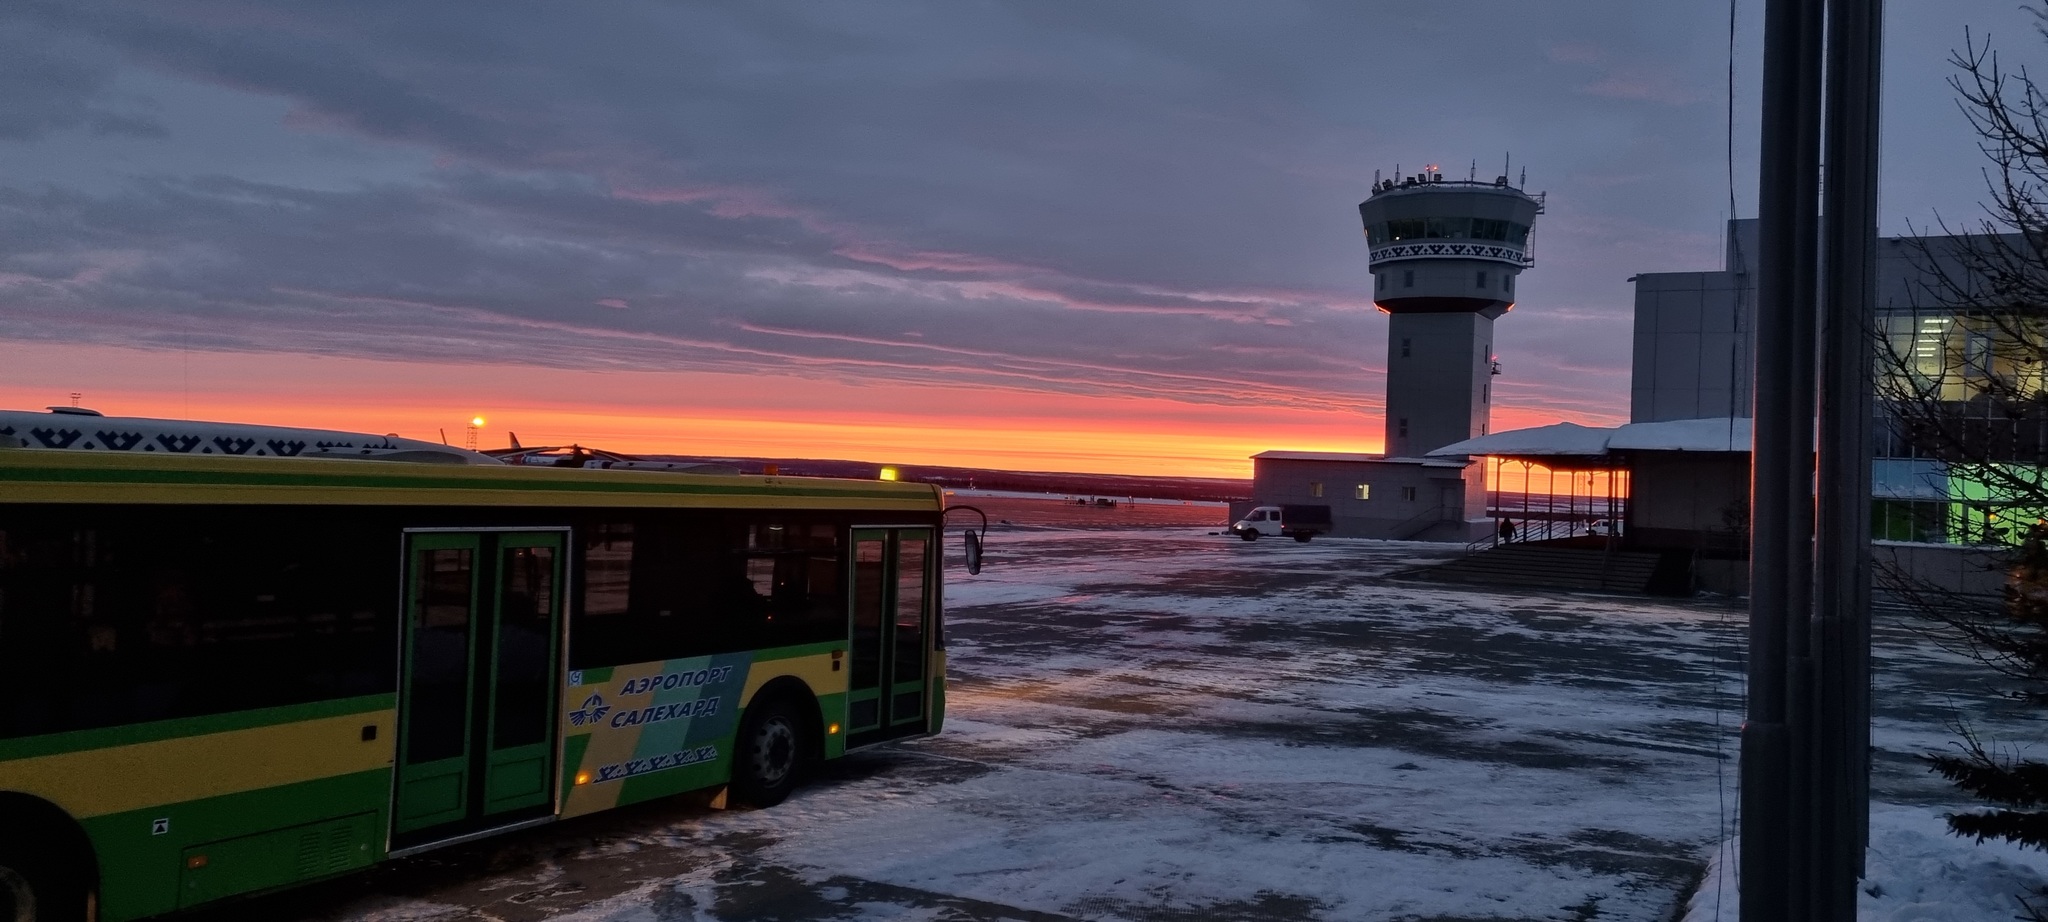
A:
226, 675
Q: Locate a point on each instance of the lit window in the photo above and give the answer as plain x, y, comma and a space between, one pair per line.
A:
1362, 491
1315, 488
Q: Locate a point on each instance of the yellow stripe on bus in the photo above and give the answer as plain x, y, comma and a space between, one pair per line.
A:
815, 670
121, 778
115, 477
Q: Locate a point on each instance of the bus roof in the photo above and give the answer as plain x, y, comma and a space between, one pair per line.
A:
109, 477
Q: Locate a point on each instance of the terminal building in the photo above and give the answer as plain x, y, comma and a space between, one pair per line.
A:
1691, 376
1444, 255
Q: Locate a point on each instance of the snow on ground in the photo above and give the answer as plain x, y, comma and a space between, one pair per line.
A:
1177, 726
1169, 726
1916, 872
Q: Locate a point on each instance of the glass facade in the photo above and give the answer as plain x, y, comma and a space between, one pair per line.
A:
1963, 457
1448, 229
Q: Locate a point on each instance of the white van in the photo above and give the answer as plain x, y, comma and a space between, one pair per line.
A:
1299, 522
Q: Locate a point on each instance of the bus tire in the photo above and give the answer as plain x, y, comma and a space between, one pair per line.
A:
38, 887
1249, 534
769, 753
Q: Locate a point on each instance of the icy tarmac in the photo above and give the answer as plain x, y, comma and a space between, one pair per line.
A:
1164, 725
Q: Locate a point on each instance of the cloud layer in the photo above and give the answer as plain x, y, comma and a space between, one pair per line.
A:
1129, 200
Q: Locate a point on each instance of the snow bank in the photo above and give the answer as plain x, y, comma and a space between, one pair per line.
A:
1916, 872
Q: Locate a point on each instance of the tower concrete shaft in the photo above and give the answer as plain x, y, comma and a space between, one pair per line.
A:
1439, 380
1445, 256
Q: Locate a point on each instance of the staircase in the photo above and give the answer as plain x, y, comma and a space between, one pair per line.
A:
1550, 567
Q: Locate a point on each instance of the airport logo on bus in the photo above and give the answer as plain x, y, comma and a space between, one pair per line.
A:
652, 714
592, 711
686, 678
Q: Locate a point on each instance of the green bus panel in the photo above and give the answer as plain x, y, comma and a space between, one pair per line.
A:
284, 856
151, 866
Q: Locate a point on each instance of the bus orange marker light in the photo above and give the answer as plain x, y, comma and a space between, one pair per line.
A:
195, 862
832, 730
582, 777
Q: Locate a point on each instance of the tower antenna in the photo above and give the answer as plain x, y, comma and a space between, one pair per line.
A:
1473, 176
1524, 183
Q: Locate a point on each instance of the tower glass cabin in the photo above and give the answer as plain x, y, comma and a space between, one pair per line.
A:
1445, 255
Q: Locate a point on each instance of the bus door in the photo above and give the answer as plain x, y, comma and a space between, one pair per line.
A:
892, 633
477, 704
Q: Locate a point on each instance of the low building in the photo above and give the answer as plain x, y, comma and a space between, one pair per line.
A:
1403, 499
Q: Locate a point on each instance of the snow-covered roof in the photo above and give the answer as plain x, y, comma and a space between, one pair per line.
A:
1723, 434
1351, 457
1278, 455
1554, 439
1720, 434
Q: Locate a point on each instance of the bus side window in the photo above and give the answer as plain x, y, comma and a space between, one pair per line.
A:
604, 625
648, 590
684, 583
795, 567
158, 613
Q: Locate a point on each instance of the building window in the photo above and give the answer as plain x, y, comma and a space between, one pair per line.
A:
1408, 494
1481, 275
1485, 392
1315, 488
1507, 282
1407, 278
1404, 347
1379, 281
1977, 354
1404, 427
1362, 491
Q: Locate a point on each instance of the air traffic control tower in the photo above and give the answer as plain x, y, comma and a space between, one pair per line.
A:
1444, 259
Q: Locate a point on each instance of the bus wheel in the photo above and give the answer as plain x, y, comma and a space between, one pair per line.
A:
1249, 534
33, 891
770, 751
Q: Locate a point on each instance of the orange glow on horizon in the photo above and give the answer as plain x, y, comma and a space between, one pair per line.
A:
701, 413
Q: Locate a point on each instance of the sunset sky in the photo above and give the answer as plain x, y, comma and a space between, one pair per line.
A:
1041, 236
